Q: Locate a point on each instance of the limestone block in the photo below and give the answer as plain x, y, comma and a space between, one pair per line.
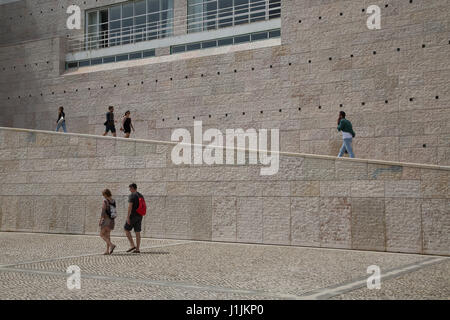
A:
9, 166
436, 226
403, 225
290, 168
305, 229
249, 219
366, 188
59, 216
335, 222
9, 140
135, 162
318, 169
305, 188
155, 174
403, 189
76, 211
87, 147
368, 224
346, 170
44, 208
106, 147
93, 210
410, 173
125, 148
153, 223
155, 160
9, 207
276, 189
248, 188
13, 177
290, 141
385, 172
336, 188
434, 184
36, 153
276, 220
224, 218
13, 154
200, 218
143, 149
177, 218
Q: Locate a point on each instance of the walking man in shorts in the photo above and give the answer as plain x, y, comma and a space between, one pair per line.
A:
110, 123
134, 219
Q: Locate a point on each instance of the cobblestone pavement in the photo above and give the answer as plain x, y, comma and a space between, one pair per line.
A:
33, 266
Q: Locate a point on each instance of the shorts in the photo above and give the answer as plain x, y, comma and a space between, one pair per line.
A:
110, 127
107, 222
135, 221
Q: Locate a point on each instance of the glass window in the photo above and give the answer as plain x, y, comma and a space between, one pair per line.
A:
274, 9
96, 61
177, 49
140, 20
257, 10
195, 15
109, 59
115, 13
193, 46
166, 18
127, 10
153, 9
84, 63
274, 34
210, 15
225, 12
149, 53
103, 28
92, 18
123, 57
241, 11
209, 44
130, 22
241, 39
71, 65
114, 25
225, 42
135, 55
259, 36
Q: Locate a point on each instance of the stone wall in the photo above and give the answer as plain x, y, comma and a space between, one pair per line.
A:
393, 83
52, 182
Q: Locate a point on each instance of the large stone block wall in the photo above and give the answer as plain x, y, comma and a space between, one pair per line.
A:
53, 182
393, 83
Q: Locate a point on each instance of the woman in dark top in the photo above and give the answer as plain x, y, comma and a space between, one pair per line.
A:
106, 222
127, 125
61, 122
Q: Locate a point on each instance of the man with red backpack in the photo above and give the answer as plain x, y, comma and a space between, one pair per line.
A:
136, 210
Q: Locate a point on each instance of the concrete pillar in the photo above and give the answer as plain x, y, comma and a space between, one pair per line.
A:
180, 14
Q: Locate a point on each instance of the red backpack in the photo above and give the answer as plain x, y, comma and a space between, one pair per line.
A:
142, 208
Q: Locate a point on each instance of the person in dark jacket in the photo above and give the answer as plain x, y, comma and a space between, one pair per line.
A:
110, 123
347, 135
61, 122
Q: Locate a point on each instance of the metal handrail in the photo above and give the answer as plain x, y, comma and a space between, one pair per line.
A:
165, 28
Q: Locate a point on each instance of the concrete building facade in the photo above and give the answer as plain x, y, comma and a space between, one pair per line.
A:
52, 183
393, 83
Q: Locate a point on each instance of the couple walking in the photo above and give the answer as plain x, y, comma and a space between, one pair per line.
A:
136, 211
110, 123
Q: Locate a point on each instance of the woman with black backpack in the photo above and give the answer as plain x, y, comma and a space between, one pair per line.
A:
107, 220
